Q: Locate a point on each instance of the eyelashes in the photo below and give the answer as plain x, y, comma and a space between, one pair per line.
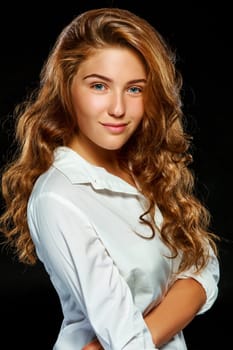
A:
101, 87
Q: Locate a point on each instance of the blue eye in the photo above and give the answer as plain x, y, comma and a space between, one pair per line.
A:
98, 86
135, 90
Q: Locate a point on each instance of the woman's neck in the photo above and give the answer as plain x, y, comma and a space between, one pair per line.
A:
107, 159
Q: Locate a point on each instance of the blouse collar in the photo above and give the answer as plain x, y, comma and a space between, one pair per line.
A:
80, 171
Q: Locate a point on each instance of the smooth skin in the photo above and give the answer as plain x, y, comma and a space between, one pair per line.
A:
107, 97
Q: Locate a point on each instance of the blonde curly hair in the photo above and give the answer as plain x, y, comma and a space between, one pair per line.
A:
158, 151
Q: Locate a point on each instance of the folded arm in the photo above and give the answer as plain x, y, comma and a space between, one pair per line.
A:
189, 295
177, 309
180, 305
81, 267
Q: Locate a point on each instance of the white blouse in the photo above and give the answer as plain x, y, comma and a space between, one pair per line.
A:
84, 223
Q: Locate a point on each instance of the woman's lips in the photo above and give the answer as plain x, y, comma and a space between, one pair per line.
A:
115, 128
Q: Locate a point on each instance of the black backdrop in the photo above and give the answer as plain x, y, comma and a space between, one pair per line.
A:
201, 35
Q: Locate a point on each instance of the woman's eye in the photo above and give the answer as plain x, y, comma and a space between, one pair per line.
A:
98, 87
135, 90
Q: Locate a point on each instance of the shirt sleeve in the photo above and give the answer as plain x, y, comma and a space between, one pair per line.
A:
208, 278
77, 257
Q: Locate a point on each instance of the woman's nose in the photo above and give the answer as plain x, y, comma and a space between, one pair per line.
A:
117, 105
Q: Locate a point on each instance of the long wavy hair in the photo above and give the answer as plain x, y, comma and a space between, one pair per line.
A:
158, 151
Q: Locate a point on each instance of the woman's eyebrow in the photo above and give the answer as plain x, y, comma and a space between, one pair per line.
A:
99, 76
102, 77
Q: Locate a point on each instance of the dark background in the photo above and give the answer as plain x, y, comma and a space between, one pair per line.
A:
200, 33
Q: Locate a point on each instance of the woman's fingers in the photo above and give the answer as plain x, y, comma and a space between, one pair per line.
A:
93, 345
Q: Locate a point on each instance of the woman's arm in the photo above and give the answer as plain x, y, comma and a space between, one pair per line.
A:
79, 264
178, 308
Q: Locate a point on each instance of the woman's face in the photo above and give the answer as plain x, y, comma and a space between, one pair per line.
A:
107, 97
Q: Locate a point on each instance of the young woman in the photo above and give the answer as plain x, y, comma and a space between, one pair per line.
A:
101, 191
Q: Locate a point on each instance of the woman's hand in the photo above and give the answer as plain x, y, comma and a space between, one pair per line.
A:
93, 345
